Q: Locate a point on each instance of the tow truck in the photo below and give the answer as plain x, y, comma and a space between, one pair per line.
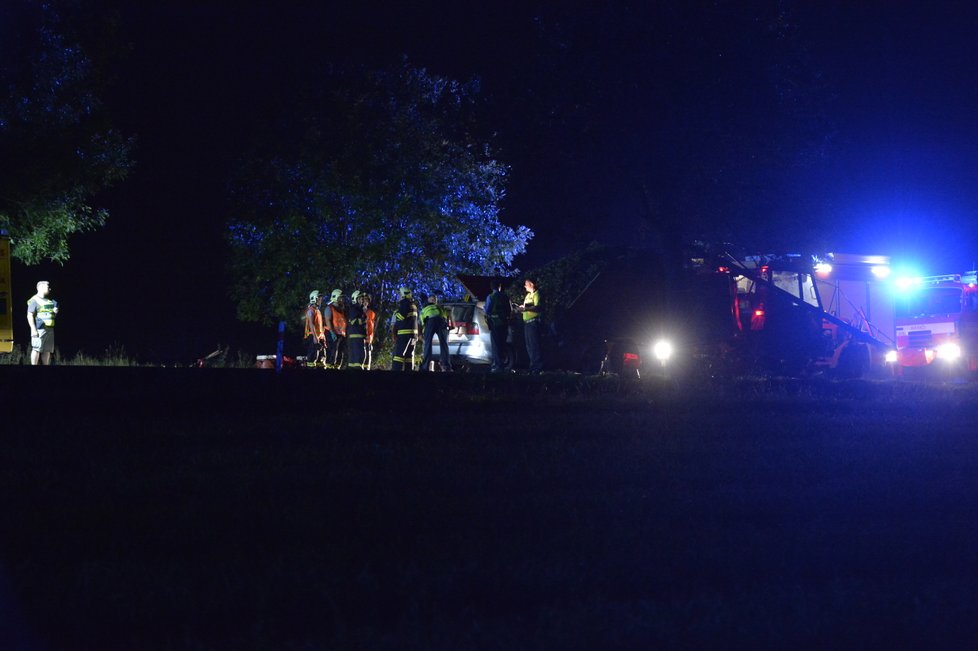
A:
784, 323
727, 313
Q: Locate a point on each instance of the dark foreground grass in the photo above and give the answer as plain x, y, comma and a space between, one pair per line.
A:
163, 509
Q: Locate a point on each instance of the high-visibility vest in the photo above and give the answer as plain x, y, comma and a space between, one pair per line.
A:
336, 321
532, 300
45, 310
429, 311
314, 322
371, 317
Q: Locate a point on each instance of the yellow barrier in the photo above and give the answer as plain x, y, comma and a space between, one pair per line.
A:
6, 299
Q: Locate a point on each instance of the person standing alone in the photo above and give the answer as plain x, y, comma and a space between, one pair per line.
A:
41, 311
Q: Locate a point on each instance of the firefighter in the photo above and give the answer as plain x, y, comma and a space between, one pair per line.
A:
370, 317
532, 323
334, 317
498, 310
404, 328
356, 328
434, 321
314, 335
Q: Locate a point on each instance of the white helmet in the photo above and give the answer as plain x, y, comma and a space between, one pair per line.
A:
336, 294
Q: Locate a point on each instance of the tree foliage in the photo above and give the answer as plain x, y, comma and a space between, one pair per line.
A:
57, 148
384, 183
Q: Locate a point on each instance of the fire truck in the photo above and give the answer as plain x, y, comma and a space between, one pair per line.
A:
937, 323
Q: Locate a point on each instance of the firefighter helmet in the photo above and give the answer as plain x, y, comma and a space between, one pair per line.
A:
355, 295
336, 294
405, 292
314, 296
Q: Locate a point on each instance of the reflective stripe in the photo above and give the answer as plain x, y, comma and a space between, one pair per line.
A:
406, 332
356, 336
45, 310
47, 318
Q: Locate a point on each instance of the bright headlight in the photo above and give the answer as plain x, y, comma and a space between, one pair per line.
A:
949, 352
891, 357
662, 350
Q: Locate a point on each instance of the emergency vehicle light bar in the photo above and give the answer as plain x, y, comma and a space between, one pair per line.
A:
947, 278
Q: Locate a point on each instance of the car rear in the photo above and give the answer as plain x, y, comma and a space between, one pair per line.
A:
468, 335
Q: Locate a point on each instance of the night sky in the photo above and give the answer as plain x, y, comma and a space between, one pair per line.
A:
848, 124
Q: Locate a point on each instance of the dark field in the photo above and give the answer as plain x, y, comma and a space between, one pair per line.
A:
221, 509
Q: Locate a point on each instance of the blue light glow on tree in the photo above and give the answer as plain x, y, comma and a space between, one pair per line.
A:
383, 185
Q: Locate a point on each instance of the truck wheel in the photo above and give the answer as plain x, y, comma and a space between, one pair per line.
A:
854, 361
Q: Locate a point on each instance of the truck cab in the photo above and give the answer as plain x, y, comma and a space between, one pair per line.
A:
937, 322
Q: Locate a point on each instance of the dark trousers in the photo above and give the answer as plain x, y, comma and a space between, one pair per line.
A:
531, 331
435, 326
403, 359
357, 345
497, 334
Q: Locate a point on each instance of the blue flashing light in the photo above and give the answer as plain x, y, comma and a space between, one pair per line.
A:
907, 284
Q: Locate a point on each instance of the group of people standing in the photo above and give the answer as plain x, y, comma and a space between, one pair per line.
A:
499, 309
341, 332
429, 322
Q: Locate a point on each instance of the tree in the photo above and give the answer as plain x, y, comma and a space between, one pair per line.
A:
383, 184
57, 148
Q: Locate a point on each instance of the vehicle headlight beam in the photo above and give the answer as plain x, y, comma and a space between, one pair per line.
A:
662, 350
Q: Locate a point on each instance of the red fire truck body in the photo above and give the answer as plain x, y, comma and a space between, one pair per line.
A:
937, 322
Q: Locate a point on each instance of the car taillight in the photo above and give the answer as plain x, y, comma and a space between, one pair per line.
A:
631, 359
469, 328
